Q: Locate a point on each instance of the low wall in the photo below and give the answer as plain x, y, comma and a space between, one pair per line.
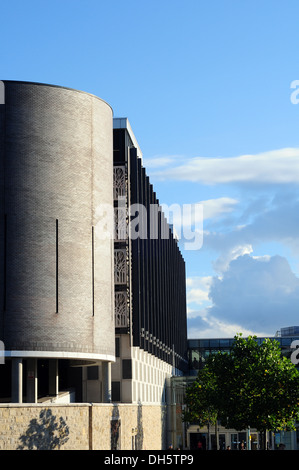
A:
82, 426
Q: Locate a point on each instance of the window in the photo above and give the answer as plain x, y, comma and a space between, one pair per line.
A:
117, 352
115, 391
92, 373
127, 368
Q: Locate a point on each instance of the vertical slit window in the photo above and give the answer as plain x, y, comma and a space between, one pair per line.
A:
56, 265
5, 262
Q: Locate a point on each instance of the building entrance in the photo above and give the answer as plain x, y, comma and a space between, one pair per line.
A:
198, 441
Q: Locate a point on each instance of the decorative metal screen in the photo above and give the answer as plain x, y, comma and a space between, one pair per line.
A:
120, 224
121, 310
120, 266
119, 181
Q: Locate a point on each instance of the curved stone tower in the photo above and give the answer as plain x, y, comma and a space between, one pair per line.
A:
56, 273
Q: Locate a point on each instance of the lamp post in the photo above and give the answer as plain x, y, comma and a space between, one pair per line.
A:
248, 438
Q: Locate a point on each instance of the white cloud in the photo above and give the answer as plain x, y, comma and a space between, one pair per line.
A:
183, 215
250, 294
276, 166
278, 223
258, 293
216, 207
160, 161
198, 290
223, 262
212, 327
255, 295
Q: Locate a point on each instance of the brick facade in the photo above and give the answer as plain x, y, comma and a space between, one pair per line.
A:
56, 275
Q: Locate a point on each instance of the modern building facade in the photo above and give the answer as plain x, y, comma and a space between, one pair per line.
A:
200, 349
88, 314
149, 278
150, 290
56, 275
99, 315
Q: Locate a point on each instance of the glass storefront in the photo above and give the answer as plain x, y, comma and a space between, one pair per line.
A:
196, 438
200, 349
203, 439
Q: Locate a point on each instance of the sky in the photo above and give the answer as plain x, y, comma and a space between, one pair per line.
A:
211, 90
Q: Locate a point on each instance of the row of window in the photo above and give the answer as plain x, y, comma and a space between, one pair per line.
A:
228, 342
200, 350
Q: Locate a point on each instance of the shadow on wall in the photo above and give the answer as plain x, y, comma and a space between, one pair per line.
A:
115, 429
137, 433
139, 437
46, 433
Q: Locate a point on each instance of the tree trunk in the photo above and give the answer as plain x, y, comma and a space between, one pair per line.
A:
217, 435
265, 439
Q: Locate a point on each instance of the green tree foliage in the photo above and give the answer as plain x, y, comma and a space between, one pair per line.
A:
200, 404
252, 385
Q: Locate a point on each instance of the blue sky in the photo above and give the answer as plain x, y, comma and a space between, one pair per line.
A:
206, 86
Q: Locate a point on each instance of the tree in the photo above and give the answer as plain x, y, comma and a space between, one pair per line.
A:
253, 385
198, 398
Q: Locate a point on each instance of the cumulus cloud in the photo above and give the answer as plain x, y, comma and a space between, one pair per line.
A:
278, 222
248, 294
206, 326
183, 214
254, 295
198, 289
222, 263
187, 219
276, 166
258, 293
217, 207
160, 161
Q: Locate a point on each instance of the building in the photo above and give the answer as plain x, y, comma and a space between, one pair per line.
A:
92, 282
189, 436
149, 284
56, 275
150, 289
200, 349
92, 294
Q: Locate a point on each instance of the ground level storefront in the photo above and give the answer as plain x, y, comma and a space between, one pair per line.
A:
205, 439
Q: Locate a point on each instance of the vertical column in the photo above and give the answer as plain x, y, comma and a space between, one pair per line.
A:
106, 381
53, 377
137, 318
17, 380
32, 380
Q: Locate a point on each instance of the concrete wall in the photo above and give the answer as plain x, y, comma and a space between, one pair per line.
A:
149, 375
56, 162
81, 426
